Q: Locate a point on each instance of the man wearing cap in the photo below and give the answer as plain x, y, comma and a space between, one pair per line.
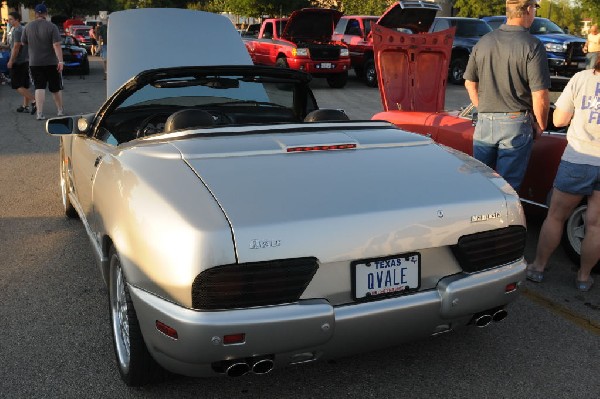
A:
508, 80
45, 59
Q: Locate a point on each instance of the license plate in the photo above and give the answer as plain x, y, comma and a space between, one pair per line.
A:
386, 276
326, 65
581, 65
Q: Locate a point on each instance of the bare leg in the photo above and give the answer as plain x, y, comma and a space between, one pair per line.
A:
561, 206
590, 246
40, 97
27, 96
58, 100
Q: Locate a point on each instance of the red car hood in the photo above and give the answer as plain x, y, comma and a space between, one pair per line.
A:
311, 24
412, 65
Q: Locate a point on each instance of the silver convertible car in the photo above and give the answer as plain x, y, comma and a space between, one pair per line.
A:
239, 228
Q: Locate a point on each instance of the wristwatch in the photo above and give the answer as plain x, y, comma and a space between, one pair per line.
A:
61, 62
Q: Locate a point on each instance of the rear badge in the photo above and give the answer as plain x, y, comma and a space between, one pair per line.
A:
484, 217
261, 244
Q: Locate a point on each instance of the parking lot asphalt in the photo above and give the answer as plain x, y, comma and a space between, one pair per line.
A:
55, 339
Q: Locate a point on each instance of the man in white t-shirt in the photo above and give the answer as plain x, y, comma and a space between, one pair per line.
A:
578, 176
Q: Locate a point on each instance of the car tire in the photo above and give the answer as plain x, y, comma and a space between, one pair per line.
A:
370, 73
85, 66
458, 67
281, 63
338, 80
573, 233
65, 187
136, 365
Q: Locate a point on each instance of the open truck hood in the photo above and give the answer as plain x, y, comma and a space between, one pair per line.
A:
316, 24
412, 65
343, 204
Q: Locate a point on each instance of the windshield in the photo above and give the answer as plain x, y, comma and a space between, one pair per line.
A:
543, 26
470, 28
368, 23
197, 91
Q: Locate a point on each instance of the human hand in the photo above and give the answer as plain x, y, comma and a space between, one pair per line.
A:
60, 66
9, 64
537, 130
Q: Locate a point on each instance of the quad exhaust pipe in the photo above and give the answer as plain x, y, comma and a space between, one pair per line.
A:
240, 367
484, 319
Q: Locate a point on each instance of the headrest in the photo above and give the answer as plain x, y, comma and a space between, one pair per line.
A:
324, 115
188, 119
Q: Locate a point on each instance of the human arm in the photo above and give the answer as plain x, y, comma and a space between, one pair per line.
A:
561, 117
13, 54
472, 91
541, 106
58, 51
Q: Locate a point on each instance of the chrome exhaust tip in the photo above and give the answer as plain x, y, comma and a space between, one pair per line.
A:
499, 315
237, 369
262, 366
482, 320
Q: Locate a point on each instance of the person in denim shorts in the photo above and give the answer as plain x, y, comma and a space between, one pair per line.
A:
578, 176
507, 78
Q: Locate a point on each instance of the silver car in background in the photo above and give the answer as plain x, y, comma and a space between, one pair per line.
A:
239, 228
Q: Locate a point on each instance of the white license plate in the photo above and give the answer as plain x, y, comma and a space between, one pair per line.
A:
326, 65
387, 276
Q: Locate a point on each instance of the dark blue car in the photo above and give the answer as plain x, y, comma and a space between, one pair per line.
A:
468, 33
565, 52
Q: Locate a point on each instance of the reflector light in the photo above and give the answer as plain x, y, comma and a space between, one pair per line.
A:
333, 147
510, 287
165, 329
234, 339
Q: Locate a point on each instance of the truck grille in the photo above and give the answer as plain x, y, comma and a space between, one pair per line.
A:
575, 50
324, 53
480, 251
253, 284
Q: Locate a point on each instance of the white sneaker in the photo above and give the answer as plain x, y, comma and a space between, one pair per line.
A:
60, 112
40, 117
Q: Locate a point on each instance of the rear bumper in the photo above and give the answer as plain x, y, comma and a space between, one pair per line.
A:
311, 329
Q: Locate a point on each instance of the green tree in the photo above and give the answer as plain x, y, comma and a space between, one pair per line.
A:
592, 9
478, 8
365, 7
563, 13
70, 8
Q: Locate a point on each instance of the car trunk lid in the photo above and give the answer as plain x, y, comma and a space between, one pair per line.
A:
336, 204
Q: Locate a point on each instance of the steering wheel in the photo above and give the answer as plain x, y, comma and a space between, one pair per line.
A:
150, 124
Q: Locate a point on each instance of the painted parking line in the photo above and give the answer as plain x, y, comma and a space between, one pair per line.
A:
562, 311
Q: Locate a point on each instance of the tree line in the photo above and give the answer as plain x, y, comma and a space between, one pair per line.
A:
566, 13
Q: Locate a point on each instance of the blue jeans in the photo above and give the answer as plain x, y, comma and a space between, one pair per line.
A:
591, 59
503, 142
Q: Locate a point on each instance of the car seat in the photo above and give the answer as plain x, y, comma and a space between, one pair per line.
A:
326, 115
188, 119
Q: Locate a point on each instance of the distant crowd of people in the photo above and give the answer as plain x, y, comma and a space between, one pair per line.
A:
36, 56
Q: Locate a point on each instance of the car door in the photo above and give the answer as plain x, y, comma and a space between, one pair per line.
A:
87, 155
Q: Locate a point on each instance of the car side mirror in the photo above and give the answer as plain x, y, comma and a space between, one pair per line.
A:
60, 126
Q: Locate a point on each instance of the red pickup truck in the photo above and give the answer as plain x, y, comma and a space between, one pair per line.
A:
303, 42
355, 32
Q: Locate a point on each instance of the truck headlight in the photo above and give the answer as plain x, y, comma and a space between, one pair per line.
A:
300, 52
344, 52
555, 47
